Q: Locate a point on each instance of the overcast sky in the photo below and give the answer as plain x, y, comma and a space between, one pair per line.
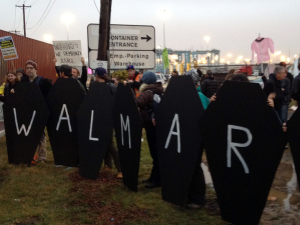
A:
232, 24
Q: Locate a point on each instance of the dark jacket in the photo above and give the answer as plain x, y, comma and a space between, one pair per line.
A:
295, 93
82, 79
43, 83
113, 89
145, 101
291, 79
209, 86
286, 85
7, 90
274, 85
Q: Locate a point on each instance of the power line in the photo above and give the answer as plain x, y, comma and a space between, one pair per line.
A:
19, 21
96, 7
41, 16
34, 2
44, 18
28, 16
15, 18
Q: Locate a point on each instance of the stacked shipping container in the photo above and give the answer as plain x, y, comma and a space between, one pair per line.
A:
28, 48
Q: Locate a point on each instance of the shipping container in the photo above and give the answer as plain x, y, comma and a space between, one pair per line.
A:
28, 48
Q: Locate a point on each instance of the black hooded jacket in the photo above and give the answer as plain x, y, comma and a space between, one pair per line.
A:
43, 83
274, 85
209, 86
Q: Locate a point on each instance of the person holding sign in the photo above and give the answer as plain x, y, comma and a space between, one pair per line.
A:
44, 85
102, 77
11, 82
75, 72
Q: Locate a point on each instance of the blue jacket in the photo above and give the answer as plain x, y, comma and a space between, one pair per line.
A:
203, 98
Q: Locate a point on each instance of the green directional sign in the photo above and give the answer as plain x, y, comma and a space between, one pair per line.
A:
165, 57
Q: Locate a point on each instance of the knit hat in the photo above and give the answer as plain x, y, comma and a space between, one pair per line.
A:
20, 70
32, 62
100, 71
149, 78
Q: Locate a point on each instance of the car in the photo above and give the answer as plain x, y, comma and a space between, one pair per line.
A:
160, 78
259, 81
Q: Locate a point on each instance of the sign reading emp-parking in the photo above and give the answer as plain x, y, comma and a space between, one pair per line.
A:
128, 45
8, 49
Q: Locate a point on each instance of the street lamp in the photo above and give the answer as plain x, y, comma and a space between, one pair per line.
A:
67, 18
48, 38
207, 39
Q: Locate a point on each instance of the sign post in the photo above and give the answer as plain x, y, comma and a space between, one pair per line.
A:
128, 45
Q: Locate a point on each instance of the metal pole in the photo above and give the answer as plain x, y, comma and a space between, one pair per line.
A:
67, 31
24, 20
164, 33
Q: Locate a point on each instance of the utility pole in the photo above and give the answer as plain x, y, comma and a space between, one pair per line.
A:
104, 30
23, 6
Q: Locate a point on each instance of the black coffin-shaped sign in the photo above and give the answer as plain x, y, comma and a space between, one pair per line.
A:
95, 125
26, 114
128, 128
293, 131
64, 100
178, 138
244, 144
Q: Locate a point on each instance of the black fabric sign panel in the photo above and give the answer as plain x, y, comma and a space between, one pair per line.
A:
28, 108
128, 128
244, 144
95, 125
178, 138
293, 130
64, 100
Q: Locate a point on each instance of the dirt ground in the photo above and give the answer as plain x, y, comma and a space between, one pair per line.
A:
285, 209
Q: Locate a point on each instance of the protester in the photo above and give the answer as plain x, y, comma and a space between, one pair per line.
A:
209, 86
76, 73
230, 74
134, 79
288, 74
196, 193
21, 73
11, 82
66, 72
286, 89
175, 73
295, 93
145, 102
44, 86
102, 77
274, 85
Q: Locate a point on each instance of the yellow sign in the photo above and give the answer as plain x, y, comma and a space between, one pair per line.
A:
8, 49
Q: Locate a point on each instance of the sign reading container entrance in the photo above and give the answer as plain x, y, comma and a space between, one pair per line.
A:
128, 45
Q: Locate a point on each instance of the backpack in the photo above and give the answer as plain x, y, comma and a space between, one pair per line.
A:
151, 110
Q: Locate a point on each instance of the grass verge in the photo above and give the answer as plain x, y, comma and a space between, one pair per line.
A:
44, 194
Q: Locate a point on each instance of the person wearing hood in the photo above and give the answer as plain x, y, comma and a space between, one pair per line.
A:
274, 87
144, 102
102, 77
21, 73
209, 86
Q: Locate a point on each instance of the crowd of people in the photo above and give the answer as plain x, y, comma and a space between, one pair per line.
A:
280, 89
